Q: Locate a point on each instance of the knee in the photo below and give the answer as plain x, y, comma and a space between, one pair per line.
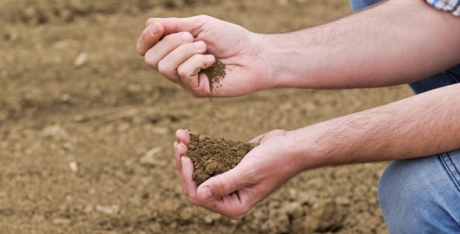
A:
398, 191
412, 196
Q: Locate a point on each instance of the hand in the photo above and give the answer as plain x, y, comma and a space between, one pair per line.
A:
233, 193
180, 48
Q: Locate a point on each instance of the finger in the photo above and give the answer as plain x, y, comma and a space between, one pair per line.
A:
169, 65
184, 162
180, 149
186, 176
183, 136
149, 37
189, 71
233, 206
225, 184
165, 46
202, 90
175, 25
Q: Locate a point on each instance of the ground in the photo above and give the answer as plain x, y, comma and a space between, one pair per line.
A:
87, 129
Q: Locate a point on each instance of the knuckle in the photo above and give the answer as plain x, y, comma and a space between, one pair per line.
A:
182, 72
150, 61
149, 21
255, 174
173, 40
204, 17
162, 67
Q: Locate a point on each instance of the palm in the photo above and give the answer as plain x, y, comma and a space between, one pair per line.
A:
238, 49
235, 192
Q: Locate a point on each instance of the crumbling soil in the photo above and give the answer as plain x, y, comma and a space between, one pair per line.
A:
213, 156
86, 128
215, 73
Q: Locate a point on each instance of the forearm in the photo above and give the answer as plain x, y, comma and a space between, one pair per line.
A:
395, 42
418, 126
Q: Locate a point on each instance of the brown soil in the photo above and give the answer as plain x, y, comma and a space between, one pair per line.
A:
213, 156
86, 128
215, 73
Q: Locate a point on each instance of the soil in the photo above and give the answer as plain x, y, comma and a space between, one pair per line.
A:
86, 128
215, 73
213, 156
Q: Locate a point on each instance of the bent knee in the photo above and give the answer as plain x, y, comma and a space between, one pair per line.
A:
415, 197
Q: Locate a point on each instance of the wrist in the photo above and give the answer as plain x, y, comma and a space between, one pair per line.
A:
300, 151
310, 148
277, 59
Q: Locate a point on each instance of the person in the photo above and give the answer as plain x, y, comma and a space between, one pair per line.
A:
388, 43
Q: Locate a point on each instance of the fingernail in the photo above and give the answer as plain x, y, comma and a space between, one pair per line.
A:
199, 45
153, 29
185, 36
205, 193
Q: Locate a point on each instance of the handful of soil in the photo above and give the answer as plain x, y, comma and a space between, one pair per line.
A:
213, 156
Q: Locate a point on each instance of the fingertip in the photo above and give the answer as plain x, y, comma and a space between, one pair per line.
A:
183, 136
209, 60
200, 46
149, 21
151, 34
179, 148
156, 29
180, 131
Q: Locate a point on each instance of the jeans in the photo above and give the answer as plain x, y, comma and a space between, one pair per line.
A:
422, 195
360, 4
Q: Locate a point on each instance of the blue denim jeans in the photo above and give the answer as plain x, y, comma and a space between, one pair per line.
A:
422, 195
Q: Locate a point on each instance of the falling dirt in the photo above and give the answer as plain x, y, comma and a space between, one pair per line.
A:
215, 74
86, 128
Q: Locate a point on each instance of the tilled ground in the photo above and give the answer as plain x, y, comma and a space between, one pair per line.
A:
86, 129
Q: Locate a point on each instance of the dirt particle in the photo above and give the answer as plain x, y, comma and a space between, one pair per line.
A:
213, 156
215, 73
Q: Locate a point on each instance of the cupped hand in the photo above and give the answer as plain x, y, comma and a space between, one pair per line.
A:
234, 193
180, 48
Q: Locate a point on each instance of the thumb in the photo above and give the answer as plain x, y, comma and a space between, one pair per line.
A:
224, 184
150, 36
175, 25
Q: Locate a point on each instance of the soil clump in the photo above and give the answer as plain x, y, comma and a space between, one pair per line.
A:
213, 156
215, 73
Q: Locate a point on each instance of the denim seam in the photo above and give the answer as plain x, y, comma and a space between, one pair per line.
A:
451, 169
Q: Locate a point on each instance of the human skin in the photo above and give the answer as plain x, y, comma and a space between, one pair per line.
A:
177, 50
395, 42
413, 127
392, 43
